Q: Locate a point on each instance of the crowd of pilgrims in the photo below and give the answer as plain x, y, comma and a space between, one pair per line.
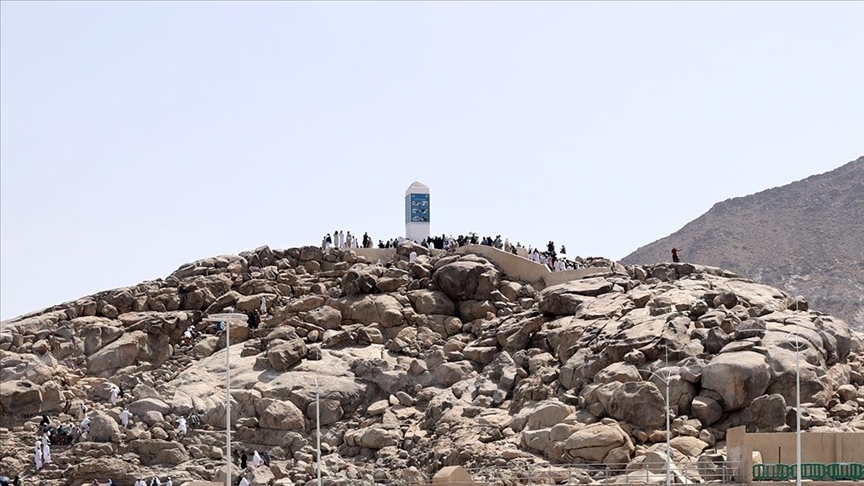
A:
555, 261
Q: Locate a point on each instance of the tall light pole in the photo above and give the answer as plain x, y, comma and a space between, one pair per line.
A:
318, 416
227, 318
667, 409
797, 344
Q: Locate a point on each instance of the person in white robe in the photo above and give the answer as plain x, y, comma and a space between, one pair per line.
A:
38, 459
46, 453
181, 425
263, 309
256, 459
85, 424
125, 415
243, 482
169, 482
115, 392
155, 481
412, 257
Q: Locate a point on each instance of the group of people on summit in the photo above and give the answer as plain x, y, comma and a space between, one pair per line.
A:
345, 240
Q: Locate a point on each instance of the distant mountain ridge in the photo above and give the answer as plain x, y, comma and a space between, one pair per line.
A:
806, 238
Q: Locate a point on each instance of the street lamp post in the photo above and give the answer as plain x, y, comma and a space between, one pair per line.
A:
798, 345
667, 409
318, 426
227, 318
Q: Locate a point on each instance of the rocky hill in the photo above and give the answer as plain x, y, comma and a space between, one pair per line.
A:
419, 364
806, 238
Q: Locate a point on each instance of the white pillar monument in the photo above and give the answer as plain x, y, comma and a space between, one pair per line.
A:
417, 212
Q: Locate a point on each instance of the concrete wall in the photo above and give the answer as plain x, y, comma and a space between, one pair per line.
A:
555, 278
819, 447
514, 266
372, 255
538, 274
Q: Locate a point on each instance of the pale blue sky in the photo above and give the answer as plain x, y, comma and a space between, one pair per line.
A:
139, 136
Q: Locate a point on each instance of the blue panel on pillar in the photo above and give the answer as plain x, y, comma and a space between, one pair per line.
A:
419, 208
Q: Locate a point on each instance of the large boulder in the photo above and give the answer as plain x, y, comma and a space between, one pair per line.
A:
284, 355
548, 414
155, 451
20, 397
467, 279
97, 332
103, 427
28, 367
568, 298
373, 437
638, 403
361, 279
737, 377
706, 410
382, 309
282, 415
152, 346
325, 317
595, 442
449, 374
119, 354
329, 410
139, 407
432, 302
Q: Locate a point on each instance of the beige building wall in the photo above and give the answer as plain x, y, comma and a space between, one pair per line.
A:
818, 447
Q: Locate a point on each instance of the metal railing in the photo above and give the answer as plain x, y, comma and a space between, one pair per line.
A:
838, 471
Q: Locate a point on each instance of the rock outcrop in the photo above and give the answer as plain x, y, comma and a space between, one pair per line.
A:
804, 238
413, 366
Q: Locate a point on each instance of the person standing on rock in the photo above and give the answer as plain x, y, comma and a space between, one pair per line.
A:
265, 456
194, 419
115, 393
188, 335
125, 415
256, 459
675, 255
255, 318
181, 426
46, 452
38, 459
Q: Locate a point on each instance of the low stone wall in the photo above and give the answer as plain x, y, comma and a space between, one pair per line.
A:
372, 255
514, 266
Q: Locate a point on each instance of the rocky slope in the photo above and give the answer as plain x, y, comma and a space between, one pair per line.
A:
806, 238
437, 362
